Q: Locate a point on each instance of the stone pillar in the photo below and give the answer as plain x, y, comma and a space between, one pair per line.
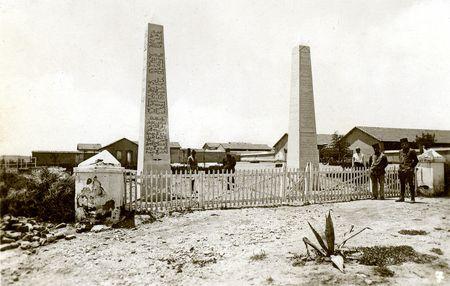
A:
431, 173
302, 140
99, 189
154, 149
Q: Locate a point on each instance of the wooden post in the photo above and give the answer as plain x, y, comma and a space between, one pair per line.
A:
131, 190
166, 190
244, 189
284, 186
125, 187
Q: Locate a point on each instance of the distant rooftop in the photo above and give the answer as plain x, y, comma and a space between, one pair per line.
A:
211, 145
395, 134
88, 146
56, 151
324, 139
245, 146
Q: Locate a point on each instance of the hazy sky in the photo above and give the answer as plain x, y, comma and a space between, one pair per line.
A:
71, 71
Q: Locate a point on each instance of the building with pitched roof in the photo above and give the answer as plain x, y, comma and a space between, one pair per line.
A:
237, 147
364, 137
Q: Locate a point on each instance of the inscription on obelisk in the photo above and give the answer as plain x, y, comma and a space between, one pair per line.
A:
154, 152
302, 140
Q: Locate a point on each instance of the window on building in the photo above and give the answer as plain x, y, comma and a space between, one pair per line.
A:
129, 156
119, 155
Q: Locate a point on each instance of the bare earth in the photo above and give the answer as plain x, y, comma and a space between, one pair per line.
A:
214, 248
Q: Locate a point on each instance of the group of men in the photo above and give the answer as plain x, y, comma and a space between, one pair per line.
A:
228, 164
378, 163
377, 168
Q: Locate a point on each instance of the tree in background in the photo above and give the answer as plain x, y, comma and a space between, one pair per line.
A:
426, 140
337, 152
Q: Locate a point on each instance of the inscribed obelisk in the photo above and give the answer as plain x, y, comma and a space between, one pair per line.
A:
154, 152
302, 140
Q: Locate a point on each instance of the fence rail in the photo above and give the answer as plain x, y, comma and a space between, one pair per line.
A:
164, 191
18, 164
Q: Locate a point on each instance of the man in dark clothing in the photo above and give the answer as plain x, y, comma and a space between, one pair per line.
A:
377, 163
193, 166
229, 164
408, 162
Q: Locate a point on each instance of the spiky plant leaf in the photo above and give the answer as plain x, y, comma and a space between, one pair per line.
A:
308, 242
350, 231
319, 238
329, 233
338, 261
345, 240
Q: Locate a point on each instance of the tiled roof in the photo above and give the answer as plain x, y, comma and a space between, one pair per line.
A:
395, 134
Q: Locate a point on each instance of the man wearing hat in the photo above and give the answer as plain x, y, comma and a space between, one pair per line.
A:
408, 161
377, 163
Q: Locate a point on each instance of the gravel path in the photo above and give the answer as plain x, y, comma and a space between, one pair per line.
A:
214, 248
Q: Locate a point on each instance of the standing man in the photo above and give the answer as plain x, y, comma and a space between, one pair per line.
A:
377, 162
229, 164
358, 159
193, 166
408, 162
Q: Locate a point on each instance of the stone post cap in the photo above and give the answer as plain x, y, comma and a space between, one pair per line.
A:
431, 156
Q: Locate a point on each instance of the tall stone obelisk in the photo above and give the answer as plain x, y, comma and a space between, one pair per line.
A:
302, 140
154, 150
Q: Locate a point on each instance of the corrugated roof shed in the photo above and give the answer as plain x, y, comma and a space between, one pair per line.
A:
395, 134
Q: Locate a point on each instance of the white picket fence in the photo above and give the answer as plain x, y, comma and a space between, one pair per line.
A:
164, 191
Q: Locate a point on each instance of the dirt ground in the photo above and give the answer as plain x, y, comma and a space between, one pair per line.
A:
215, 248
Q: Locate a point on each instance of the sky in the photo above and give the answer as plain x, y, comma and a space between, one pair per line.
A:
72, 71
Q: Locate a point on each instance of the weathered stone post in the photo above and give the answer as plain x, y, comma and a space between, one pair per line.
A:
430, 172
99, 189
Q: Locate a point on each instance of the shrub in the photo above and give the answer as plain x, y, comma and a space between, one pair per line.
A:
59, 201
392, 255
45, 195
412, 232
21, 202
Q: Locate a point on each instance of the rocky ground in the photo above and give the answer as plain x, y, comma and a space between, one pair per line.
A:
240, 247
29, 234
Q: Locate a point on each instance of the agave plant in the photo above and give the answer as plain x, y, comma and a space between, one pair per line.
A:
329, 248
